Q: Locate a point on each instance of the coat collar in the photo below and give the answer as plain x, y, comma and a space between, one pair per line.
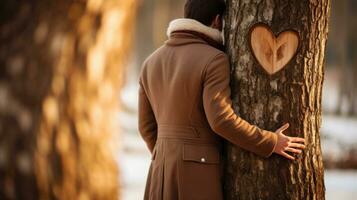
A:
185, 24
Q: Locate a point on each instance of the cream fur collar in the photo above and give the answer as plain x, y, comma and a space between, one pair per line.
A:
194, 25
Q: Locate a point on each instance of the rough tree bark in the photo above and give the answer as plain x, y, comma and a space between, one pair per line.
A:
292, 95
60, 74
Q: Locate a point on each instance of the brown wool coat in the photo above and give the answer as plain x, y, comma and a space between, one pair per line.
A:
185, 111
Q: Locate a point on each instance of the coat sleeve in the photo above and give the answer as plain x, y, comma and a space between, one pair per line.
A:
221, 116
146, 120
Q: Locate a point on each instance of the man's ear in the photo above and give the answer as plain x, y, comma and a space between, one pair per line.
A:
217, 22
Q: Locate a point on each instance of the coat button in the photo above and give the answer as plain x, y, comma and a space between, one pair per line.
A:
203, 160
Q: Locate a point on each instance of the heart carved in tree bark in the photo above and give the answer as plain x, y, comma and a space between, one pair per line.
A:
273, 53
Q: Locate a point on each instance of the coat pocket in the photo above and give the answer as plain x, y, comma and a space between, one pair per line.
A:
201, 153
200, 172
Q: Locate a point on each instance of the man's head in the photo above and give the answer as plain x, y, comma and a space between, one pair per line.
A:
208, 12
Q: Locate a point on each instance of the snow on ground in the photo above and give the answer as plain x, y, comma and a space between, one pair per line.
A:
340, 129
341, 184
338, 138
134, 163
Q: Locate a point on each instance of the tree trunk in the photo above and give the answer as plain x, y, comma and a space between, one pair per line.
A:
291, 95
60, 74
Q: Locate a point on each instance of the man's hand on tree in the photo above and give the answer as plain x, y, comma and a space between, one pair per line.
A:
288, 144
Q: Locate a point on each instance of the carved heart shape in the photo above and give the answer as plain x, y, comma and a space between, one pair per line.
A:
273, 53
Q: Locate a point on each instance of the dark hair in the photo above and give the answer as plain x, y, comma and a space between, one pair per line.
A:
204, 11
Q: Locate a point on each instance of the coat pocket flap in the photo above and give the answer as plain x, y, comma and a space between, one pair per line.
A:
201, 153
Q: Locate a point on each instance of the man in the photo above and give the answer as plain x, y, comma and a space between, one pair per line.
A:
185, 110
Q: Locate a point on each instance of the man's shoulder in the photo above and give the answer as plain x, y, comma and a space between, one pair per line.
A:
213, 54
153, 55
206, 49
150, 60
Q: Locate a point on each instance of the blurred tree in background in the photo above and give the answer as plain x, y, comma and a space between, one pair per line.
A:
343, 47
291, 95
151, 24
61, 71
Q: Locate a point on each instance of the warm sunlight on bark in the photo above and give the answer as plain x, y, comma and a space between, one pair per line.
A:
84, 133
74, 58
